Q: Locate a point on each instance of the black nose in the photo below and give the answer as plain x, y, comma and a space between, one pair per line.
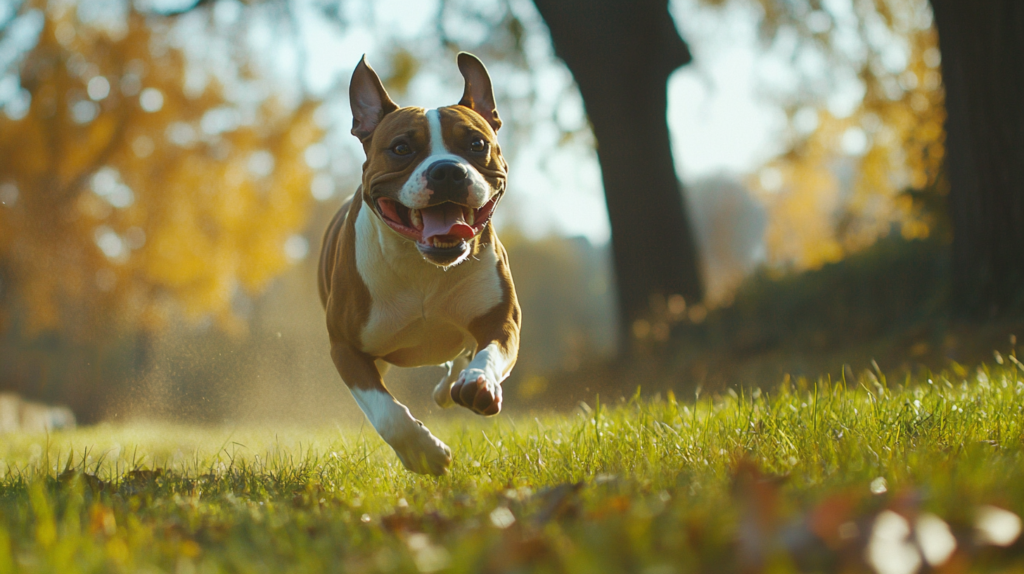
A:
447, 172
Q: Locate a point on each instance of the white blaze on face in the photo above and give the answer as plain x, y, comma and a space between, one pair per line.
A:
415, 193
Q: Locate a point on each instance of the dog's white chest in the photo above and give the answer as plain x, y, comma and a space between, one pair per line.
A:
419, 312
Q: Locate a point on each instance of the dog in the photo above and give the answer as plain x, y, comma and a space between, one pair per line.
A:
411, 271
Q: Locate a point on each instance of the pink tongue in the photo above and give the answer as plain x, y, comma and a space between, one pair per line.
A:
445, 219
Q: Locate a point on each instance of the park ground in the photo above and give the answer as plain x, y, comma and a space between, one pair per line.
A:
868, 474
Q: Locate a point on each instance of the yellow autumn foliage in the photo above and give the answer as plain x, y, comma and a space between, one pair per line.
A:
125, 203
827, 198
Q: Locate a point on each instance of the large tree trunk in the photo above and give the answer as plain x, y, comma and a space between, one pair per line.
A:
982, 45
621, 53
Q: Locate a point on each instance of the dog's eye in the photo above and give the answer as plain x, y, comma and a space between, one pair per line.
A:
401, 149
478, 145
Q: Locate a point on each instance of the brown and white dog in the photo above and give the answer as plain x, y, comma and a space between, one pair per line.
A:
411, 271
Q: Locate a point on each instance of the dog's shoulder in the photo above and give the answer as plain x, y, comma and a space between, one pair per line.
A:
506, 314
329, 250
344, 295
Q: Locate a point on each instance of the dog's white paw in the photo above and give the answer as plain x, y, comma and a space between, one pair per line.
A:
422, 452
478, 393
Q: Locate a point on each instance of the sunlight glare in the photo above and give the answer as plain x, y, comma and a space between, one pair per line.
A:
98, 88
996, 526
890, 551
936, 540
151, 100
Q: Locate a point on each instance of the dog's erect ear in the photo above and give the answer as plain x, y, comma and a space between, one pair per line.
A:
370, 102
478, 95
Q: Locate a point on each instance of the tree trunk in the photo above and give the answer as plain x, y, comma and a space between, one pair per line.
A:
621, 53
982, 45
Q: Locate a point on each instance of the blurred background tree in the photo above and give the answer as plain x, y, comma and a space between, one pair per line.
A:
904, 169
133, 191
621, 55
851, 173
981, 45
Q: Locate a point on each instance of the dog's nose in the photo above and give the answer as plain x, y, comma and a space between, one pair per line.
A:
447, 172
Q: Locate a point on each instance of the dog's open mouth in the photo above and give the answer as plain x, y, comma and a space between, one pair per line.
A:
442, 226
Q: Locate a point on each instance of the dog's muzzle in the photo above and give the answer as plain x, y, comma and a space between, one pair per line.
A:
441, 231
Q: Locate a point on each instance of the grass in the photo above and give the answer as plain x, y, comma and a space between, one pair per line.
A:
813, 476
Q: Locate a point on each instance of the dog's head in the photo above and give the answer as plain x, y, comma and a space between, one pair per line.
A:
433, 176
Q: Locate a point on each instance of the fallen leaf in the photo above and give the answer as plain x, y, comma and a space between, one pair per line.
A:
558, 502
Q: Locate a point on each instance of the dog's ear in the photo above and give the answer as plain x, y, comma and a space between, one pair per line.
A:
370, 101
478, 95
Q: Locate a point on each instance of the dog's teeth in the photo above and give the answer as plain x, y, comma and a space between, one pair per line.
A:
443, 244
416, 219
471, 216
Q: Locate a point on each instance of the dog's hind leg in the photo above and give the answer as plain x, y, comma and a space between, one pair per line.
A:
443, 390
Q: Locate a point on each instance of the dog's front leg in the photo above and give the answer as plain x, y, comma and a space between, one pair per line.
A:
443, 390
478, 387
418, 449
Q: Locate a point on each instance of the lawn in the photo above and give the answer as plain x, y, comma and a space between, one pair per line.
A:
826, 476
